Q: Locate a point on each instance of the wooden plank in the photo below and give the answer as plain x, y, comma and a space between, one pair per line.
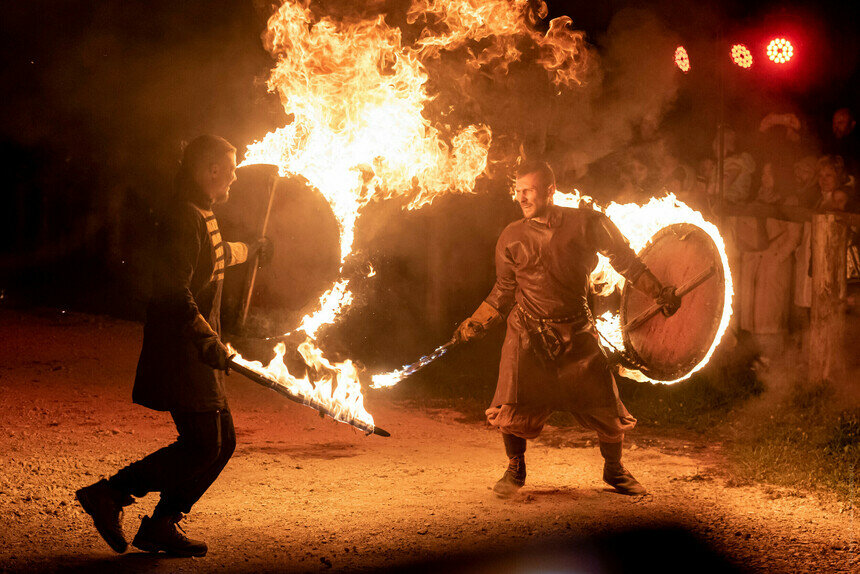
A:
783, 212
829, 294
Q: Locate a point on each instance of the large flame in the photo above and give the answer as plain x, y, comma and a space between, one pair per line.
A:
639, 223
501, 26
356, 96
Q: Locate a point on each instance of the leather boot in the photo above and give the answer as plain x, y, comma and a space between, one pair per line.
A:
104, 504
162, 533
614, 473
515, 475
513, 479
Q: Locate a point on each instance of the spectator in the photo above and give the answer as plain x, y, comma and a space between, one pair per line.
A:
831, 197
779, 144
766, 247
638, 178
832, 181
844, 143
806, 181
673, 175
738, 168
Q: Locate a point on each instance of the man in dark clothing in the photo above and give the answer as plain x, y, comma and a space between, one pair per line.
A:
845, 143
182, 363
550, 357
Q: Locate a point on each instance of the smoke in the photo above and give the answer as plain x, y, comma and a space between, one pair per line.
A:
621, 92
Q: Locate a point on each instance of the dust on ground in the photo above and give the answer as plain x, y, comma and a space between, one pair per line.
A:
306, 494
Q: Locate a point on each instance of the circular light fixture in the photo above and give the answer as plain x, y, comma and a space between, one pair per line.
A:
780, 50
682, 60
742, 56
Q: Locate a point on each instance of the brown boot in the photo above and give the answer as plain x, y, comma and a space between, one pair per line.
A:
614, 473
104, 504
163, 534
513, 479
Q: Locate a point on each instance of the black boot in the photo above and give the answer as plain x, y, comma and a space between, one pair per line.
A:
515, 475
614, 473
162, 533
104, 504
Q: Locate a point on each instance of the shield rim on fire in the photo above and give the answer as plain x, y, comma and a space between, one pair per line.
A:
673, 370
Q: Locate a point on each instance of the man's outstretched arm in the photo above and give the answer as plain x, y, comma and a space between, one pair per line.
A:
610, 242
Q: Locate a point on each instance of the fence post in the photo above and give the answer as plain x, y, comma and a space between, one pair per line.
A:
829, 291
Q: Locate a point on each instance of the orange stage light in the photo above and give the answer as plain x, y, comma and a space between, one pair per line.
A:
682, 60
742, 56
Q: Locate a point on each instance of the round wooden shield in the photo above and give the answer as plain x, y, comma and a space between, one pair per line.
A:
667, 348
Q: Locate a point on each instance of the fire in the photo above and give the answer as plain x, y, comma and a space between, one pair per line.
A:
639, 223
356, 94
335, 387
501, 25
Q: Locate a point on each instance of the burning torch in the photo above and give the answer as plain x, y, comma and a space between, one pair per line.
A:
238, 365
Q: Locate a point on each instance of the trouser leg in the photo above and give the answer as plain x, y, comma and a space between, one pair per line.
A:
179, 471
184, 495
514, 445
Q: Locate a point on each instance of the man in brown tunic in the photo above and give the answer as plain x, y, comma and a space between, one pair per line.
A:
551, 359
183, 361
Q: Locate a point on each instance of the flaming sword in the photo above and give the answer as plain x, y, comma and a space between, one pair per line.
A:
270, 383
394, 377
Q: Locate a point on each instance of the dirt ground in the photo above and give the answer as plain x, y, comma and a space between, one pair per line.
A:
305, 494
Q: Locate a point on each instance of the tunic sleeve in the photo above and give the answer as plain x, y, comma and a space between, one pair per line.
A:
182, 241
608, 240
503, 295
237, 252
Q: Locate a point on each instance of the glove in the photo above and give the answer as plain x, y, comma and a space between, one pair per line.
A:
216, 354
476, 326
264, 249
469, 330
669, 301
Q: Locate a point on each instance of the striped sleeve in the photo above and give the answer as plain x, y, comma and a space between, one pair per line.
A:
237, 252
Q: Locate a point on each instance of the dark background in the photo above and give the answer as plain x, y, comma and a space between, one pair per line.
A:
99, 97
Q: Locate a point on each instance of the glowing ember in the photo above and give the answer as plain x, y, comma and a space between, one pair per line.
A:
780, 50
742, 56
682, 59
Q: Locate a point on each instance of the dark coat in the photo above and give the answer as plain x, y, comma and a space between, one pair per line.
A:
544, 269
184, 314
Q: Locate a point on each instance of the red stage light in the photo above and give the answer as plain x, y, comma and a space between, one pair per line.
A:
682, 60
742, 56
780, 50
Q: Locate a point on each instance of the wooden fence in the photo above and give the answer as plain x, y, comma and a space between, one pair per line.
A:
830, 232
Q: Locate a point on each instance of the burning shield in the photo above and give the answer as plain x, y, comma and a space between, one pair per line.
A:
667, 348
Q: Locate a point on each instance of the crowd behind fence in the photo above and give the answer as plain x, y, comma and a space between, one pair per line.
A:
777, 181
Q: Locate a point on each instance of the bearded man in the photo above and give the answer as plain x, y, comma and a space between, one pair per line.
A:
551, 360
183, 361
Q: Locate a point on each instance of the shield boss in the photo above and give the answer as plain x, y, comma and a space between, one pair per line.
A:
667, 348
